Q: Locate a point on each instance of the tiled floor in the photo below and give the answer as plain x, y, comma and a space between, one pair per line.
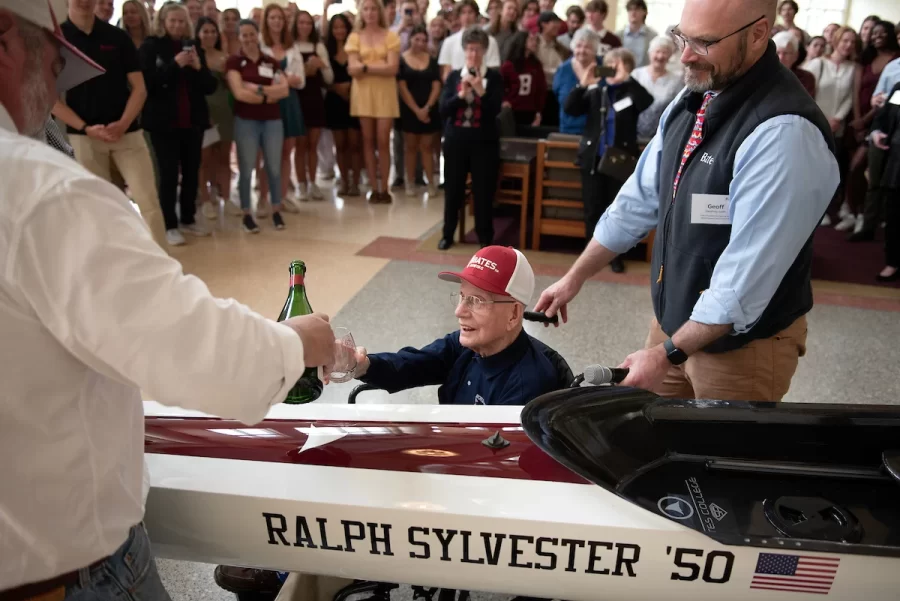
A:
367, 270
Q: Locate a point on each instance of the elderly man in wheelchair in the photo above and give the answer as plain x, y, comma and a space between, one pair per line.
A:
490, 360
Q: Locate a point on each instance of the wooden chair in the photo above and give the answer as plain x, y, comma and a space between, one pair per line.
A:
558, 208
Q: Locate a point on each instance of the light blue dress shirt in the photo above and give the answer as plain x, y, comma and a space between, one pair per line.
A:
890, 75
784, 178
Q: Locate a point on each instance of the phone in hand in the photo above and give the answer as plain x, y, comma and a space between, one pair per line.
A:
601, 72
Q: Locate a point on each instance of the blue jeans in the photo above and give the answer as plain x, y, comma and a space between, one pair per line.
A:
249, 137
128, 575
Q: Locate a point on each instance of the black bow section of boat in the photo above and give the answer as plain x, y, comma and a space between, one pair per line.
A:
777, 475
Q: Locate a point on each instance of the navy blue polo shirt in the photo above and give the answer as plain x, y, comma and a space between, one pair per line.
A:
514, 376
102, 100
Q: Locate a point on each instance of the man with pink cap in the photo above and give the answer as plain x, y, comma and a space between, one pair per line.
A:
490, 360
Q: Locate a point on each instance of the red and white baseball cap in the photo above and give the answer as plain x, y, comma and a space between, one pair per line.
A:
499, 270
47, 13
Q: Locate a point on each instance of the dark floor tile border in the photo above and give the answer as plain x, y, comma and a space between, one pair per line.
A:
406, 249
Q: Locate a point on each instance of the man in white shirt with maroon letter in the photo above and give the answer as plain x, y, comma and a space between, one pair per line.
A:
92, 311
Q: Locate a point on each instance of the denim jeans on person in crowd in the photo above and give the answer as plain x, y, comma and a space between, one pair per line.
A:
249, 137
129, 574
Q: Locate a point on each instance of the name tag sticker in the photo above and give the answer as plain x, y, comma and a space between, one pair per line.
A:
895, 98
623, 104
266, 71
710, 209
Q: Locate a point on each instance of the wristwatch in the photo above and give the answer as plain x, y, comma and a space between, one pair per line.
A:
675, 355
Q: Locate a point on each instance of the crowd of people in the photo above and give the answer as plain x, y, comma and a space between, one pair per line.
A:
381, 86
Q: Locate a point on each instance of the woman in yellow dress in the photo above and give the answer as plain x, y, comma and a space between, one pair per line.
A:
373, 53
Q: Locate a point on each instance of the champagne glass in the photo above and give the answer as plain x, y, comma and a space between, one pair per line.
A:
344, 356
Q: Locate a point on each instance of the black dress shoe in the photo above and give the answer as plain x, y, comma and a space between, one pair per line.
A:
263, 583
445, 244
862, 236
617, 265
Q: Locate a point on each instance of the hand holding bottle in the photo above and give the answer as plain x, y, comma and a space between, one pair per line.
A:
318, 339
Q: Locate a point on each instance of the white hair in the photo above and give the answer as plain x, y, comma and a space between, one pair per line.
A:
783, 39
586, 34
662, 42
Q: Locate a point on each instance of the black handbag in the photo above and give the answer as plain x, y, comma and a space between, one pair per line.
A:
617, 164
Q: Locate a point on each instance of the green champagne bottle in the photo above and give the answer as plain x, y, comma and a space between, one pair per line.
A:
309, 387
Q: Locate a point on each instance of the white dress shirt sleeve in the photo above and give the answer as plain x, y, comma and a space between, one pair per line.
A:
86, 264
784, 177
296, 66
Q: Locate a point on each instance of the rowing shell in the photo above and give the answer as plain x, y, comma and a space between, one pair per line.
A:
455, 497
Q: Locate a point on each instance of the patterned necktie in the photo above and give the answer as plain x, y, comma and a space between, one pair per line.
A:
696, 138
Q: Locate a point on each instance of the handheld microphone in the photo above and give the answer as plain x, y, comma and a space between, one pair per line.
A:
539, 317
598, 375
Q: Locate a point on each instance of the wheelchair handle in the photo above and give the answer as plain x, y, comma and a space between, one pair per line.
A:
540, 317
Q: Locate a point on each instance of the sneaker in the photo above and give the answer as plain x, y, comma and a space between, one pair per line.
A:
859, 224
844, 210
432, 190
175, 238
847, 223
290, 204
262, 210
195, 229
278, 221
410, 190
209, 210
826, 221
315, 193
302, 193
249, 225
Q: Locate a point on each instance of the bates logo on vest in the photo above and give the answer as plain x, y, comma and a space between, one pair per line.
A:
707, 159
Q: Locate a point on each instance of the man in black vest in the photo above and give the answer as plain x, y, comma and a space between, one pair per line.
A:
738, 176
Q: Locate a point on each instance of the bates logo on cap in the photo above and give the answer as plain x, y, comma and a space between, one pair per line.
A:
482, 264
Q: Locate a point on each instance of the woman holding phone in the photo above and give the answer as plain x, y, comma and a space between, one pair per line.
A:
623, 99
257, 83
176, 115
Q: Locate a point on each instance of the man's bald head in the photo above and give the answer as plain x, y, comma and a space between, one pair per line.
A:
724, 16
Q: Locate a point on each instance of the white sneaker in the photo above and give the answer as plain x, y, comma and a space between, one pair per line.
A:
289, 204
175, 238
859, 224
410, 189
844, 210
262, 210
196, 229
847, 223
315, 193
826, 221
432, 190
209, 210
302, 194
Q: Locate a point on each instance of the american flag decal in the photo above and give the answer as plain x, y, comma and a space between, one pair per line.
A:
795, 573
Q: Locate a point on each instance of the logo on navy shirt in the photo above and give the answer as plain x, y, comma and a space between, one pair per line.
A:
707, 158
479, 400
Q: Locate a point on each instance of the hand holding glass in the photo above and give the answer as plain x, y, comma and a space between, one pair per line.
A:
344, 356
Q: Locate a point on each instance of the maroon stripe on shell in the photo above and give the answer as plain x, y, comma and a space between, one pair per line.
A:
438, 448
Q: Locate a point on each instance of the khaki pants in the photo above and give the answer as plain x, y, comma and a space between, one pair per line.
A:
759, 371
131, 156
310, 587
